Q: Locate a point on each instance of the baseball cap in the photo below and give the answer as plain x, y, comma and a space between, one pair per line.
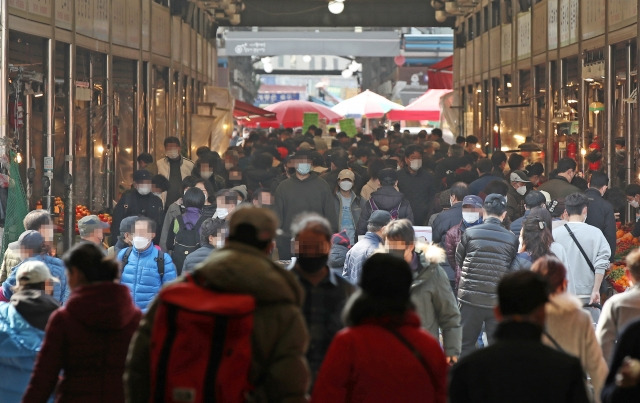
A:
127, 223
89, 223
496, 198
534, 199
141, 175
519, 176
31, 240
472, 200
34, 272
380, 218
346, 174
262, 219
520, 293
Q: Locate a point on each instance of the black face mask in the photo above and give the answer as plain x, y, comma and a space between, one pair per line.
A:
312, 264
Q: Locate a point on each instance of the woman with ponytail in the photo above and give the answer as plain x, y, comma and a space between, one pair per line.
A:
86, 341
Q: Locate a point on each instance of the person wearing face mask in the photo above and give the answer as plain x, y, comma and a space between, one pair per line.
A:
174, 167
325, 292
347, 204
124, 239
91, 229
430, 291
600, 211
139, 201
515, 196
633, 198
145, 268
212, 235
205, 168
417, 185
471, 215
585, 277
305, 191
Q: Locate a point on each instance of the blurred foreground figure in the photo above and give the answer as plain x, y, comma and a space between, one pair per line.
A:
86, 340
623, 382
383, 356
518, 367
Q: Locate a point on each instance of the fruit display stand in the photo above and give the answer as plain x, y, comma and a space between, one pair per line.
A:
80, 211
625, 243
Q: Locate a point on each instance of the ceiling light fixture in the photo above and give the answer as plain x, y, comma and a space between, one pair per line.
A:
336, 6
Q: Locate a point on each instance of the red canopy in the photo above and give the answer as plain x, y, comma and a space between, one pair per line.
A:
441, 74
291, 113
246, 111
427, 107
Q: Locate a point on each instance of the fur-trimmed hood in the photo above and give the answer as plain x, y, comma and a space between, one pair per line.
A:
430, 253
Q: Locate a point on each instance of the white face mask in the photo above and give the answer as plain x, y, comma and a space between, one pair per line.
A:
415, 164
144, 189
140, 242
521, 190
303, 168
173, 154
470, 217
346, 185
221, 213
634, 203
206, 174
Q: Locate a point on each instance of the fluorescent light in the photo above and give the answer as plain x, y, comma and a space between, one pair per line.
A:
336, 6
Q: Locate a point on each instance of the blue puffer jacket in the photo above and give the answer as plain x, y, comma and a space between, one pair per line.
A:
19, 346
141, 274
61, 290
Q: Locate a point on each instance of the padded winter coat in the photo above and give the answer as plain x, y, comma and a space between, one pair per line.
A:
141, 274
61, 289
386, 198
486, 253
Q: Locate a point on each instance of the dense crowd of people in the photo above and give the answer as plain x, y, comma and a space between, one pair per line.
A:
293, 267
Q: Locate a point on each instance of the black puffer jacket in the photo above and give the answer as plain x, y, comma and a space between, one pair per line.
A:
386, 198
486, 252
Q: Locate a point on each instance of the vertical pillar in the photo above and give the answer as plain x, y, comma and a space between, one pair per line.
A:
137, 116
110, 160
28, 110
548, 155
4, 76
171, 100
150, 101
609, 83
47, 197
630, 146
69, 213
91, 136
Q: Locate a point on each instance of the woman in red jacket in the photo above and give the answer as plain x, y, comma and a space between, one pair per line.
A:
384, 355
88, 338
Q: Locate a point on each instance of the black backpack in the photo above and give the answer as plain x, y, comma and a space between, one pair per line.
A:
185, 241
395, 212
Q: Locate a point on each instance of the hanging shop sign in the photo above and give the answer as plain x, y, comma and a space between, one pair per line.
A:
593, 70
593, 18
552, 24
622, 13
119, 22
63, 13
133, 24
505, 44
524, 35
265, 98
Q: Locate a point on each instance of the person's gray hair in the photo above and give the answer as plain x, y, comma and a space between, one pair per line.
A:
374, 228
305, 220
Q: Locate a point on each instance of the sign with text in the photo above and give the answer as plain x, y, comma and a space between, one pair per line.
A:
348, 126
310, 118
265, 98
63, 11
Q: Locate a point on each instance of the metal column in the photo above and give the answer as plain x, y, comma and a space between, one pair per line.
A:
629, 118
4, 77
137, 117
47, 197
69, 149
608, 109
91, 136
29, 165
548, 156
109, 149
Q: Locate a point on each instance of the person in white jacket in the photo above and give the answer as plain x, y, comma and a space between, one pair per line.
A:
582, 281
568, 326
620, 309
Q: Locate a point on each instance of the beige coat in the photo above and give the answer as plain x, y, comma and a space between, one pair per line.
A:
10, 260
280, 336
572, 328
186, 166
617, 312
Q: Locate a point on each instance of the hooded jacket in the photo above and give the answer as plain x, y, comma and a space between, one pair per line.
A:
61, 289
435, 303
279, 339
20, 340
340, 245
141, 275
572, 328
386, 198
355, 207
88, 340
486, 252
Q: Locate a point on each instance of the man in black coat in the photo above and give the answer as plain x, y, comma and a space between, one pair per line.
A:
417, 185
623, 382
452, 216
138, 201
600, 211
518, 367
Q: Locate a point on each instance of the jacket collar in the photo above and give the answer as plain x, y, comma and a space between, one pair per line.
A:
512, 330
373, 236
492, 220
